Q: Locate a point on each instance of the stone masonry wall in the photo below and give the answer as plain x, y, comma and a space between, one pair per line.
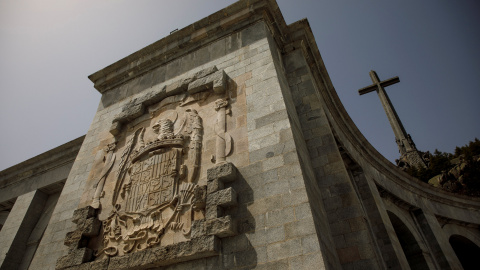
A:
275, 224
353, 242
274, 219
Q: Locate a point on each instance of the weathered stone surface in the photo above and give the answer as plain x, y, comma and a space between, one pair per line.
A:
219, 79
208, 78
226, 197
177, 87
198, 228
199, 85
88, 225
91, 227
130, 112
82, 214
95, 265
225, 172
72, 239
136, 108
152, 97
221, 227
199, 197
74, 257
216, 82
204, 72
196, 248
115, 128
214, 211
214, 185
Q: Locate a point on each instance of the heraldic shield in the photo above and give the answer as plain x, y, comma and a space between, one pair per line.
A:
152, 201
153, 181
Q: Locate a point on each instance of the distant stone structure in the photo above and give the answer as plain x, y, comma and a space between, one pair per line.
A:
409, 155
225, 146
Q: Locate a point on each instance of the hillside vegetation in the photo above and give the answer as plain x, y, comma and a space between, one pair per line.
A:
458, 172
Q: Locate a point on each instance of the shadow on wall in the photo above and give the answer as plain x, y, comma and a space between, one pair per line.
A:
466, 251
409, 244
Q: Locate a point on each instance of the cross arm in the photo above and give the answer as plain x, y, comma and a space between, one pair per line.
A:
390, 81
368, 89
374, 87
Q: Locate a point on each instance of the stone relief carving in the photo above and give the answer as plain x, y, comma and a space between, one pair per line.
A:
224, 140
151, 176
154, 190
109, 161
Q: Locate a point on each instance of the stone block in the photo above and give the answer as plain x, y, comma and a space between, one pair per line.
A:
214, 185
213, 212
299, 228
75, 257
72, 239
198, 228
83, 214
199, 85
153, 97
199, 197
196, 248
95, 265
281, 250
349, 254
280, 217
221, 227
204, 72
271, 118
225, 172
225, 198
216, 81
115, 128
176, 88
130, 112
275, 234
91, 227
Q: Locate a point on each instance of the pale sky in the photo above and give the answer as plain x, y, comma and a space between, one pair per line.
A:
49, 47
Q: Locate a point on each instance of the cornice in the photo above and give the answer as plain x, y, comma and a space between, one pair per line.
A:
191, 38
54, 158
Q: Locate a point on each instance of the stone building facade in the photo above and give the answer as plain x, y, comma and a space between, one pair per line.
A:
225, 146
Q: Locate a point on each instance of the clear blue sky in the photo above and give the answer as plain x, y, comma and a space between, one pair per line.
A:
49, 47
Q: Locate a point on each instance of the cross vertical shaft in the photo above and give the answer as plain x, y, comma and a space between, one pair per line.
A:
404, 142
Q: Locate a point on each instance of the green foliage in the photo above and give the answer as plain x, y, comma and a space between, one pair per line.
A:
442, 163
439, 162
469, 151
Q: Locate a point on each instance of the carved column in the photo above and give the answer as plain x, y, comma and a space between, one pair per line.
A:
220, 130
109, 161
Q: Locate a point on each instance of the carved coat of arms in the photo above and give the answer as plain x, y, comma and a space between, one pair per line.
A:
154, 189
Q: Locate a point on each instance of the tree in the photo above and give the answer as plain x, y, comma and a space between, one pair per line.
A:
459, 172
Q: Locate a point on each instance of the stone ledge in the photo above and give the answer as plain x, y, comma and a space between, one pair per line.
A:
196, 248
95, 265
215, 81
221, 227
208, 79
224, 198
74, 258
224, 172
39, 165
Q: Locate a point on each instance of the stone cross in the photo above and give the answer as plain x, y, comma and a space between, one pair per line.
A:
404, 141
